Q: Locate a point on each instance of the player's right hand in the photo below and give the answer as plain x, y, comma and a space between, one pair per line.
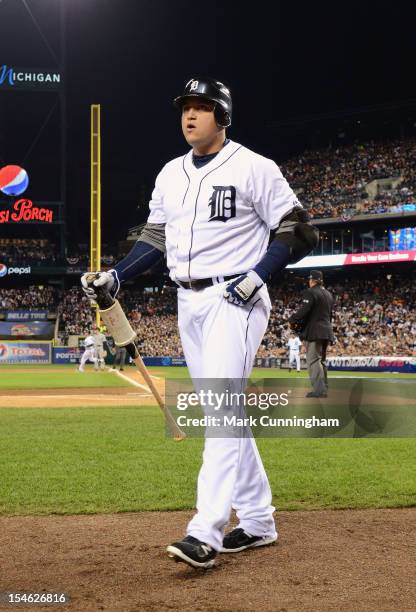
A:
108, 280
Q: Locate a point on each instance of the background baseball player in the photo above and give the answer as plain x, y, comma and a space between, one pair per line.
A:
294, 345
89, 352
99, 341
212, 211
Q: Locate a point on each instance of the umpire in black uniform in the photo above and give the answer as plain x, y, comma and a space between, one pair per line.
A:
313, 323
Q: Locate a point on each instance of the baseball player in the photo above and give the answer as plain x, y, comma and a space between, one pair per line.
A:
99, 340
294, 345
89, 352
212, 212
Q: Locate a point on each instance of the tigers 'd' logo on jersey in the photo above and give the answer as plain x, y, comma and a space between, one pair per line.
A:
222, 203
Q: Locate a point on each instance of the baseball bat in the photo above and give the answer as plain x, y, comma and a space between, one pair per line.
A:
117, 323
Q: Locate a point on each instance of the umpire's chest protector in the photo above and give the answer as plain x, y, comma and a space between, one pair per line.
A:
218, 217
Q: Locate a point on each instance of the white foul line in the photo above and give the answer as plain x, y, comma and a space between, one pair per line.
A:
130, 380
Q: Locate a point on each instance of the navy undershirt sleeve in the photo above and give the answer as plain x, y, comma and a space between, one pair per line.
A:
275, 259
141, 257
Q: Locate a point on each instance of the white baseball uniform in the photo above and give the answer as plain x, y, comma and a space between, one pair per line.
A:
99, 349
294, 345
218, 220
89, 353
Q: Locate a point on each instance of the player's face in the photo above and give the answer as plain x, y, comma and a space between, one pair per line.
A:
198, 122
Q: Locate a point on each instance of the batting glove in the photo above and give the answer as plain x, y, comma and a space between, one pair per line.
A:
108, 280
242, 290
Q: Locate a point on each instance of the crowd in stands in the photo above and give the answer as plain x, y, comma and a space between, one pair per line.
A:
30, 297
371, 317
42, 252
154, 317
331, 182
33, 252
76, 316
376, 320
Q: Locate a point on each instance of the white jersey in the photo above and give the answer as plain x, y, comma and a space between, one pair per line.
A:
294, 344
218, 218
89, 342
99, 340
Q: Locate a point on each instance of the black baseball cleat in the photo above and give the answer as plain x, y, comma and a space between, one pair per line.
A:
313, 394
238, 540
192, 551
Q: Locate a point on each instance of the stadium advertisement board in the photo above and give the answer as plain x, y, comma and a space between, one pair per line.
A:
164, 361
351, 259
268, 362
404, 365
66, 354
4, 270
42, 330
24, 352
23, 211
26, 315
17, 77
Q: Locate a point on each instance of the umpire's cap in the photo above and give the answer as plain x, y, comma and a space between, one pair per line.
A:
316, 275
213, 90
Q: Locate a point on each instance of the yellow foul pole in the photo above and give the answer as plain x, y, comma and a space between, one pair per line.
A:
95, 237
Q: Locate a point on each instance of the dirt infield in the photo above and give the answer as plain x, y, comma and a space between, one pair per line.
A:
333, 560
75, 398
136, 394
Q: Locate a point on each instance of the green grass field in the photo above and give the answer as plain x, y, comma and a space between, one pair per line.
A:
92, 460
64, 378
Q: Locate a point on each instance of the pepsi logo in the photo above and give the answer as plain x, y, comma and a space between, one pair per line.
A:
3, 350
3, 270
13, 180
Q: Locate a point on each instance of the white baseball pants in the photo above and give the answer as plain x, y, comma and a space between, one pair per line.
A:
99, 357
294, 358
88, 355
220, 341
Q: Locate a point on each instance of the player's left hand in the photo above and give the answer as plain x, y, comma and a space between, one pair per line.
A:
242, 290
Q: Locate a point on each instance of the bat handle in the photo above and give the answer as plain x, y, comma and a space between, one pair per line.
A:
104, 299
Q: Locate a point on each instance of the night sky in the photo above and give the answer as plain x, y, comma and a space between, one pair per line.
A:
280, 60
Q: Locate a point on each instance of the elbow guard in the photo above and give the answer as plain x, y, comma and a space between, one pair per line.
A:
298, 233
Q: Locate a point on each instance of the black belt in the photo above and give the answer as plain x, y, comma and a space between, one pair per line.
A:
203, 283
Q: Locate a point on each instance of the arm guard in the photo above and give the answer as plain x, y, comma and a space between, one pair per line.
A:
297, 231
293, 240
154, 234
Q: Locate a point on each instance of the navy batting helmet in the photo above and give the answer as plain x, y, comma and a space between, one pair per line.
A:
213, 90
